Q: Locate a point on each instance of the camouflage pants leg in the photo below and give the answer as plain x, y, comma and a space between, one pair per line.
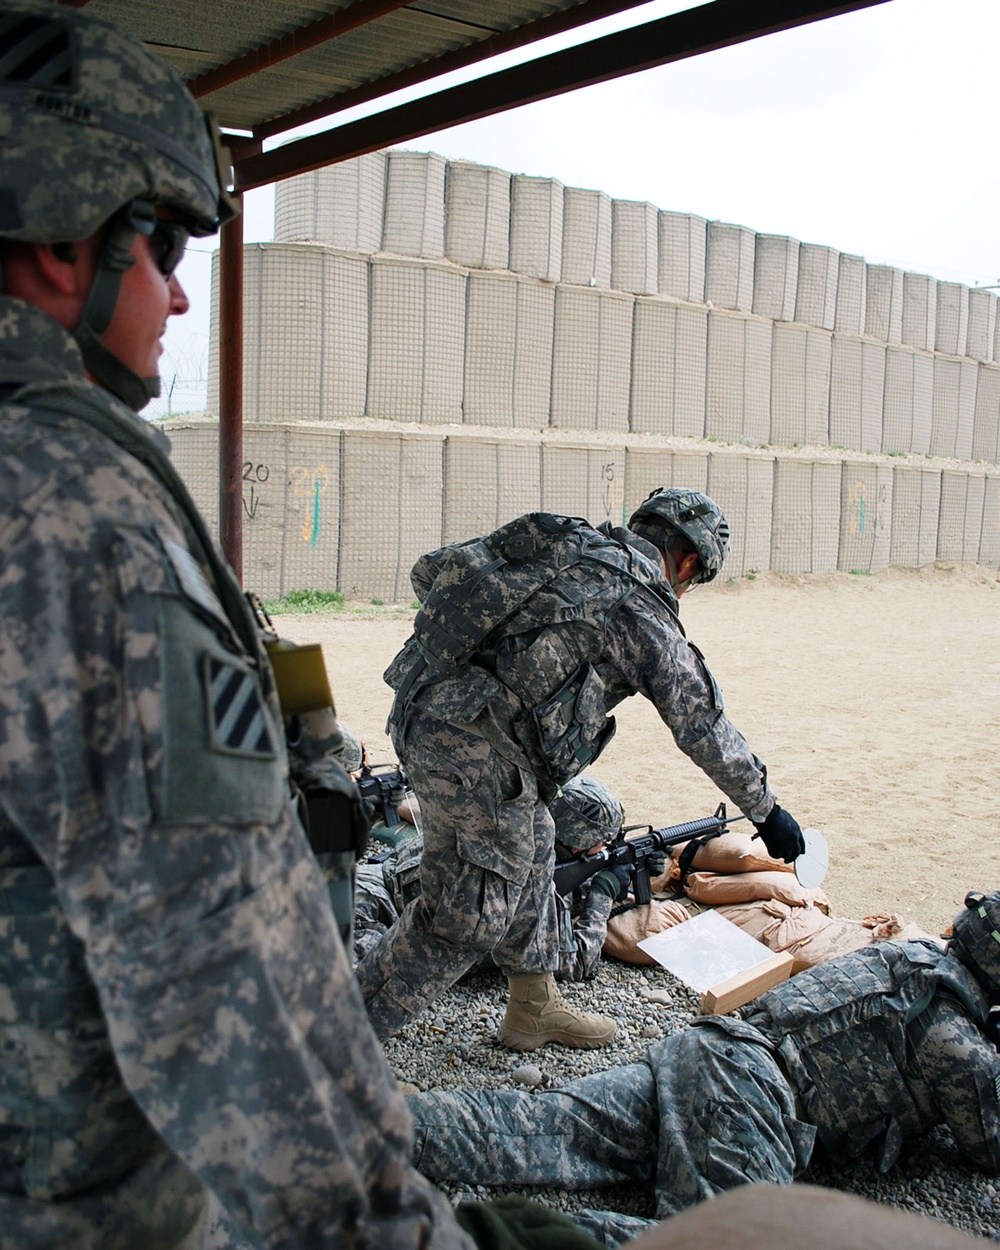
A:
595, 1131
485, 876
611, 1228
727, 1118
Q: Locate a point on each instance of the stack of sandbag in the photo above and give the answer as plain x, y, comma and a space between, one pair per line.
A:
736, 877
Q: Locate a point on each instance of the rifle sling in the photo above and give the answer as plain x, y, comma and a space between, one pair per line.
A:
686, 861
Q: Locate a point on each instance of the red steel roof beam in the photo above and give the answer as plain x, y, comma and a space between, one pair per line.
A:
493, 45
719, 24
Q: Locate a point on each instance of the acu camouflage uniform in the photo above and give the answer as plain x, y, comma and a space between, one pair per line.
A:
583, 930
381, 894
526, 639
184, 1055
856, 1053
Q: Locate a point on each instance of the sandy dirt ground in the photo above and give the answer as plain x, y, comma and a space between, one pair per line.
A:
874, 701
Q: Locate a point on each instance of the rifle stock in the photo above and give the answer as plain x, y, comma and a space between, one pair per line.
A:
637, 851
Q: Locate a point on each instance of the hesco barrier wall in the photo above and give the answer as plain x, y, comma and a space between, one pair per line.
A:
432, 347
351, 508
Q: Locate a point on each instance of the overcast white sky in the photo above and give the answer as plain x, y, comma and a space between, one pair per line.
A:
874, 133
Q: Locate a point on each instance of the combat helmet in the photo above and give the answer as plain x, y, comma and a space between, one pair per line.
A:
667, 511
585, 813
96, 129
976, 940
351, 752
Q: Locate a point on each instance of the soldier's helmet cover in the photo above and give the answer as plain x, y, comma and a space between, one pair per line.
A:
976, 940
585, 813
98, 132
675, 510
91, 120
351, 754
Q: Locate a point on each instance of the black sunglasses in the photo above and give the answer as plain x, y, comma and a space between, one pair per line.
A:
167, 244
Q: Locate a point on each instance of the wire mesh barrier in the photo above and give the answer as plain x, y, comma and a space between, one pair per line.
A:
352, 508
433, 347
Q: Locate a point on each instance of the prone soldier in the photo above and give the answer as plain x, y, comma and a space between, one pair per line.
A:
854, 1055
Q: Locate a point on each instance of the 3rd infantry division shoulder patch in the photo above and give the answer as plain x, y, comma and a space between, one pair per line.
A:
237, 720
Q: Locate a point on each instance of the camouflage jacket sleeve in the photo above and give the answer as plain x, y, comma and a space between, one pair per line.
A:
960, 1067
589, 930
652, 656
143, 763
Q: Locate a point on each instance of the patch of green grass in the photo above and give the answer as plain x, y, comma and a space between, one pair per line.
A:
305, 601
860, 573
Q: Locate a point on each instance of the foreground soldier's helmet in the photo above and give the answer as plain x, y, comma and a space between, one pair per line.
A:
674, 510
585, 813
97, 129
976, 940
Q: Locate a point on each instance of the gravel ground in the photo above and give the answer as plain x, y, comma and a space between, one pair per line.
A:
453, 1046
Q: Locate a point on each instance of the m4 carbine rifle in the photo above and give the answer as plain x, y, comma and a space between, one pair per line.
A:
636, 852
383, 791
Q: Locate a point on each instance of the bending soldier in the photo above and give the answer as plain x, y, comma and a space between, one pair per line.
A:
853, 1055
524, 642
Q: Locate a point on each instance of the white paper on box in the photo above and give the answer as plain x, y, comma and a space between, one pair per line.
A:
705, 950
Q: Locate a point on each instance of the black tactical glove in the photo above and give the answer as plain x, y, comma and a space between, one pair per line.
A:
657, 863
613, 882
516, 1223
781, 835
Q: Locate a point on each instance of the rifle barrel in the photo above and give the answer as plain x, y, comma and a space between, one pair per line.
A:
682, 833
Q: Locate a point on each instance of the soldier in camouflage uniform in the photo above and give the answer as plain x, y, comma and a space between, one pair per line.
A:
854, 1054
524, 642
586, 815
185, 1059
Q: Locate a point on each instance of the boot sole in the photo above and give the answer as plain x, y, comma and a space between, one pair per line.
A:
514, 1040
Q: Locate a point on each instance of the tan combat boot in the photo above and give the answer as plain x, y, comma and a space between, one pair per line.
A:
537, 1013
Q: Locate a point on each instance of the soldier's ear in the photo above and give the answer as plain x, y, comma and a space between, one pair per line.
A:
59, 265
52, 276
31, 268
689, 565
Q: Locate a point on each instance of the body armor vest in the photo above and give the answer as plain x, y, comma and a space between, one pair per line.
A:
516, 622
841, 1027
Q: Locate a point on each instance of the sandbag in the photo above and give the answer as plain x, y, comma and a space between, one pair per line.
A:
629, 927
808, 934
840, 936
728, 853
715, 889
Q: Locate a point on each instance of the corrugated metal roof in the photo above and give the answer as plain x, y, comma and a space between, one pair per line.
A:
197, 37
266, 66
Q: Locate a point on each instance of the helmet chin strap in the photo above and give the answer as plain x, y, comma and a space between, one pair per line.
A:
137, 217
671, 563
